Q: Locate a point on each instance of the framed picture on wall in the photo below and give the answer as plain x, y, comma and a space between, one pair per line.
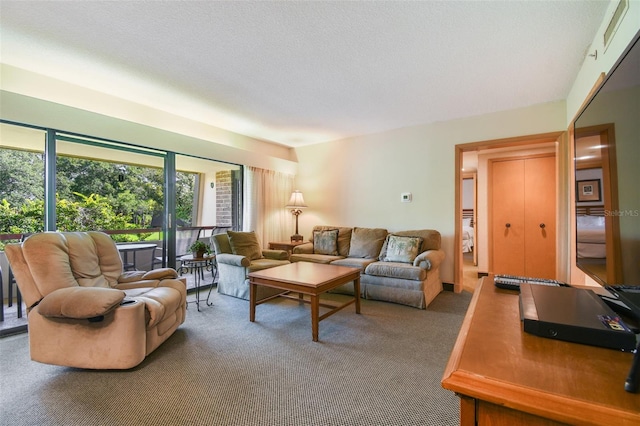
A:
588, 190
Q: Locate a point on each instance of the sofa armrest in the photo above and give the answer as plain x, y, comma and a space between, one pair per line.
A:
429, 260
80, 302
233, 259
275, 254
306, 248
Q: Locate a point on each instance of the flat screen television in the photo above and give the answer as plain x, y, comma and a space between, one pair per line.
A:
607, 176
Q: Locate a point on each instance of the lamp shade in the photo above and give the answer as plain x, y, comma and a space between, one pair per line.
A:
296, 201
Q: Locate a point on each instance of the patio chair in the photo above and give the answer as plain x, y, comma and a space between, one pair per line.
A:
83, 310
184, 238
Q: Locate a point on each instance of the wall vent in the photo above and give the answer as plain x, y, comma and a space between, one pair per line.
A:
623, 5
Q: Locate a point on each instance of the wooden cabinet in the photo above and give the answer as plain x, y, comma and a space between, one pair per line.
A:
505, 376
523, 222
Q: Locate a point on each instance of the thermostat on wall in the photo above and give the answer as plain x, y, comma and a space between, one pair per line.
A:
405, 197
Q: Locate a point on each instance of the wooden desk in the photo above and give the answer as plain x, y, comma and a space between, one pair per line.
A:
505, 376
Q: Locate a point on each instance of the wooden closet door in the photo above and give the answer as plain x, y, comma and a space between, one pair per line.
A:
507, 223
540, 217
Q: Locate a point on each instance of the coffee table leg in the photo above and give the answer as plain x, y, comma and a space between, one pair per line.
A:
356, 291
315, 313
252, 302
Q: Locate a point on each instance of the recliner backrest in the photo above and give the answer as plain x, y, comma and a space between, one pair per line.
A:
49, 261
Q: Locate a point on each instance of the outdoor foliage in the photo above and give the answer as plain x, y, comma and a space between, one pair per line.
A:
90, 195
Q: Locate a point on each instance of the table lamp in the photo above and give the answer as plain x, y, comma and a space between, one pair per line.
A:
296, 204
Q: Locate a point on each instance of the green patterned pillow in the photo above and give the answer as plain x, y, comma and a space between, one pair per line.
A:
401, 249
325, 242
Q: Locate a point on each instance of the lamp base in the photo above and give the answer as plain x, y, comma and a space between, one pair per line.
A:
296, 237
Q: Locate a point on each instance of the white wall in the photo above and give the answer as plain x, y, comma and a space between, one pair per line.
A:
34, 99
358, 181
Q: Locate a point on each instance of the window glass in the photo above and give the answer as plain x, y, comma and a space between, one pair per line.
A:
21, 182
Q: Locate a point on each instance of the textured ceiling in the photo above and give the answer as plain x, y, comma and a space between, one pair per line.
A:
305, 72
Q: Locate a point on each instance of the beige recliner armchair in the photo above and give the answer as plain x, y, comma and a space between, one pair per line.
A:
83, 311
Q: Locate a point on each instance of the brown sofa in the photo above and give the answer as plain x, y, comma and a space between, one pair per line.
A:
401, 267
83, 310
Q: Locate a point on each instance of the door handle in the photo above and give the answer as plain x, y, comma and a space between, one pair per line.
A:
542, 225
508, 225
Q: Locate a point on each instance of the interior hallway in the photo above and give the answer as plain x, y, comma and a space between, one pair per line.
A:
469, 273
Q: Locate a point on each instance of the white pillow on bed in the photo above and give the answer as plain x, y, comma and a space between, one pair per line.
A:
590, 221
466, 222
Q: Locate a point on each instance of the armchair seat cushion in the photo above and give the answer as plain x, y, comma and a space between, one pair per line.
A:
265, 263
80, 302
400, 270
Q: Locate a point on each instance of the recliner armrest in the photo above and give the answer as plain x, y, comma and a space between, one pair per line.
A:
160, 274
80, 302
275, 254
233, 259
430, 259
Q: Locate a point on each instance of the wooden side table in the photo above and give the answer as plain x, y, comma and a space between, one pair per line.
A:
285, 245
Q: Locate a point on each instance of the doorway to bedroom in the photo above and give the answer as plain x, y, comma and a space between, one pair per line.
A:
475, 158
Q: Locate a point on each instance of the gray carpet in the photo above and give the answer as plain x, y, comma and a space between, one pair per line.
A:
382, 367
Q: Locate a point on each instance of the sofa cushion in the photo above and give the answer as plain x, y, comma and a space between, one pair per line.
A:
400, 248
399, 270
315, 258
325, 242
354, 262
344, 237
367, 242
245, 244
430, 238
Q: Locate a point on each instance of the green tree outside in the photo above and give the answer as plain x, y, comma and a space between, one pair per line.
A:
91, 195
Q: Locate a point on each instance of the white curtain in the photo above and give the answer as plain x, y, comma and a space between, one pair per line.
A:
266, 192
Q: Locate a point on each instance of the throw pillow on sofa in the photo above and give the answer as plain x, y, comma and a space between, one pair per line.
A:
367, 242
400, 249
325, 242
245, 244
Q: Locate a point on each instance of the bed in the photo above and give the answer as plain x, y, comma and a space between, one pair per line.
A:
590, 235
468, 233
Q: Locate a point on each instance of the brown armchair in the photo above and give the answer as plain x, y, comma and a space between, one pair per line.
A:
83, 310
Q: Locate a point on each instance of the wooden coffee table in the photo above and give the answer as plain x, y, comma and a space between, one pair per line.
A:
305, 278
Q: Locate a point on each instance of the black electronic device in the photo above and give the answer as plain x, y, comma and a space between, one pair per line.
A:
630, 297
512, 282
573, 315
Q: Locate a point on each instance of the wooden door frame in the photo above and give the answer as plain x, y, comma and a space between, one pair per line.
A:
562, 156
608, 163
